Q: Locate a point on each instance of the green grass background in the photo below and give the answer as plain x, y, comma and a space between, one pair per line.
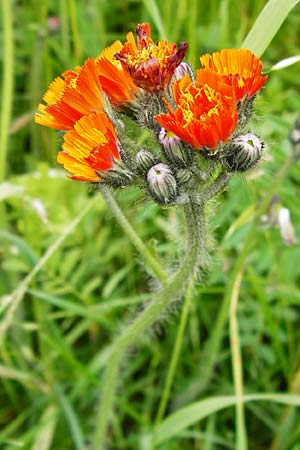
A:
54, 344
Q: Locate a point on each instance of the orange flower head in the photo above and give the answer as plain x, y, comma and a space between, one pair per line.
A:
69, 97
240, 67
91, 147
115, 80
150, 64
206, 111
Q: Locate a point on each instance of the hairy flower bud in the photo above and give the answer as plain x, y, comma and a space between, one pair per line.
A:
162, 184
174, 149
181, 70
117, 176
144, 160
243, 152
183, 176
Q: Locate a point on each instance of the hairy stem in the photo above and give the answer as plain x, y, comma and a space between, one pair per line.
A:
177, 283
151, 262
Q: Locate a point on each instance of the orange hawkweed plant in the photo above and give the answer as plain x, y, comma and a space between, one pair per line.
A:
199, 138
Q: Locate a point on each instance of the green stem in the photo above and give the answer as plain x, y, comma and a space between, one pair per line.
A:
152, 263
216, 186
176, 352
75, 31
7, 87
177, 283
237, 367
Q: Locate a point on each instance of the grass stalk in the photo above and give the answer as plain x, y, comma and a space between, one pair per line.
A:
151, 262
75, 31
8, 81
176, 352
237, 367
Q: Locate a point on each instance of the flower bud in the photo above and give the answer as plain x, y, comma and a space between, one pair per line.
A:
181, 70
243, 152
117, 176
174, 150
183, 176
144, 160
162, 184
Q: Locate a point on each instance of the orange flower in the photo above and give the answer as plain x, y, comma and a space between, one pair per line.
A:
91, 147
240, 67
150, 65
206, 112
115, 79
76, 94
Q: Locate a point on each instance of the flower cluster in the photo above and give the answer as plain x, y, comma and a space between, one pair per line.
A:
197, 119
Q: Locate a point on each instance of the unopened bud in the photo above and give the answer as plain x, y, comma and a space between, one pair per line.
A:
117, 176
181, 70
243, 152
174, 150
162, 184
183, 176
144, 160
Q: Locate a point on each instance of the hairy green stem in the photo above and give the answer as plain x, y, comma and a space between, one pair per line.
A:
215, 187
151, 262
177, 283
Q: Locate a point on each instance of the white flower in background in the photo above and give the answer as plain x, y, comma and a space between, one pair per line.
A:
286, 227
40, 209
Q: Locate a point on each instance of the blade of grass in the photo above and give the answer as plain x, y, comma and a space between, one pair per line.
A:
71, 418
44, 437
155, 15
195, 412
237, 368
175, 353
156, 268
7, 87
75, 31
267, 24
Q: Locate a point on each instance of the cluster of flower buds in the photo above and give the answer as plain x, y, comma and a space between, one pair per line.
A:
197, 119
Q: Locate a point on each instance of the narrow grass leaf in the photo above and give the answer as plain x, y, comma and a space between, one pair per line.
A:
286, 62
114, 281
25, 378
44, 437
71, 419
154, 13
24, 250
193, 413
267, 24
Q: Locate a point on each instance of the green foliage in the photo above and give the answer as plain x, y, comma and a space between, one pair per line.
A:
58, 339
